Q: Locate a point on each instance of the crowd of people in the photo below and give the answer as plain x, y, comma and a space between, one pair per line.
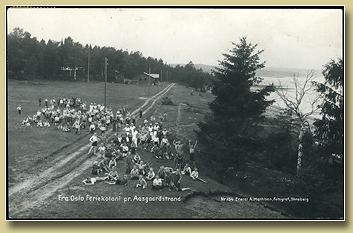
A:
73, 115
129, 145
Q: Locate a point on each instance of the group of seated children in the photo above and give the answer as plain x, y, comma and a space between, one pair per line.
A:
187, 171
135, 167
165, 177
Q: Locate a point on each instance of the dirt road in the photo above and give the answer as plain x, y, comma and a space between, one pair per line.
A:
67, 164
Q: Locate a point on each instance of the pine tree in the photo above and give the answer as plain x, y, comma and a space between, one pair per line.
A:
330, 128
230, 133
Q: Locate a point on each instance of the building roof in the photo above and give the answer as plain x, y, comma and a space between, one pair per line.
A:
155, 76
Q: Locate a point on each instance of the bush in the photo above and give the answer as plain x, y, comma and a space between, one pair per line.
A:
167, 101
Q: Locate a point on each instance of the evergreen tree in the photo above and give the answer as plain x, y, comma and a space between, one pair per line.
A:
230, 133
330, 128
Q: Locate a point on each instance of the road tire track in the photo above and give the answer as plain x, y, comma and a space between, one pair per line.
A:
69, 163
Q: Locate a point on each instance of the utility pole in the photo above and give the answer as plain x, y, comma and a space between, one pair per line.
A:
161, 75
89, 58
105, 85
149, 80
167, 77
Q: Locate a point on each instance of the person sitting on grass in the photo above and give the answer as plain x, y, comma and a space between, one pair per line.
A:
134, 174
56, 120
164, 143
125, 149
122, 181
158, 153
92, 180
117, 153
160, 117
150, 174
101, 150
187, 170
92, 128
115, 139
113, 175
143, 140
40, 124
67, 127
194, 174
46, 124
141, 166
102, 128
152, 119
129, 163
26, 121
175, 180
96, 170
112, 162
161, 172
141, 183
77, 126
136, 159
157, 183
133, 146
104, 165
168, 154
168, 175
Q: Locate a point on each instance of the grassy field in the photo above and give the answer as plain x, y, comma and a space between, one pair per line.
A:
46, 166
28, 146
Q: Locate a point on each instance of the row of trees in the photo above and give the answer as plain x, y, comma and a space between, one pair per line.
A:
28, 58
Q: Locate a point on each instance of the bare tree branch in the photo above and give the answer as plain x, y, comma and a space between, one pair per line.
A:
302, 89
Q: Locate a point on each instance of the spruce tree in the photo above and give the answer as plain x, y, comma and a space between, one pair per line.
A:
230, 132
330, 128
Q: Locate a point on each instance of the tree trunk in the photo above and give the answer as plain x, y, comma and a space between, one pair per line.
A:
300, 149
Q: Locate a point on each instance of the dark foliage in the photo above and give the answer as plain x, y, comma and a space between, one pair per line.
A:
28, 58
231, 132
330, 128
167, 101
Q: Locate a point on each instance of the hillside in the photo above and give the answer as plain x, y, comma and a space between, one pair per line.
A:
274, 72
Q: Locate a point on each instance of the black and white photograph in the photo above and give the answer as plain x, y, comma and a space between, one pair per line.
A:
175, 113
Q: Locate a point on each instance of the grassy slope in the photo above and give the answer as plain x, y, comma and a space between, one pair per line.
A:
53, 208
28, 146
24, 156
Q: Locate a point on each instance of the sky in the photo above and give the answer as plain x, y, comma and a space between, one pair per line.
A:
291, 38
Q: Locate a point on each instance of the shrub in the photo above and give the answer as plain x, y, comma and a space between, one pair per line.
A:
167, 101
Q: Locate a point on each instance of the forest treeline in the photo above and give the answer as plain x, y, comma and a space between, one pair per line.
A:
29, 58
